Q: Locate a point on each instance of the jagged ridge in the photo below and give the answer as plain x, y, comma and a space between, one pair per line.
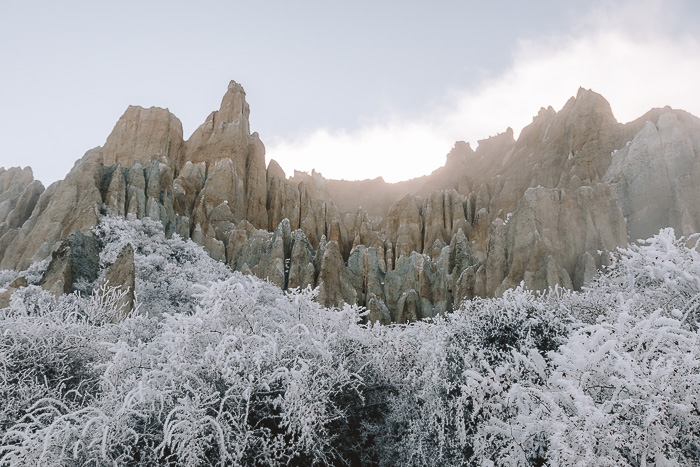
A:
543, 209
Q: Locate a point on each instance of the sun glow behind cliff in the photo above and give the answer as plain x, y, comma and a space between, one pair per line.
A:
634, 70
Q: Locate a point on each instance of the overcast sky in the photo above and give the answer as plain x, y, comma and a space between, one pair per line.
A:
353, 89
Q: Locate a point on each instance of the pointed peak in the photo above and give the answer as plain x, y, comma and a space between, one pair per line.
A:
274, 170
589, 98
462, 147
505, 137
460, 152
549, 111
233, 104
581, 91
586, 104
496, 145
235, 87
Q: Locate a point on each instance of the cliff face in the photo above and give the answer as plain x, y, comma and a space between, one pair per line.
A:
543, 209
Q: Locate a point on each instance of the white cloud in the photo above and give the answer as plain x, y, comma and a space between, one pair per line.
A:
390, 149
627, 53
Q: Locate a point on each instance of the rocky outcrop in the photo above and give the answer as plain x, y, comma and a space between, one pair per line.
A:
121, 275
549, 234
72, 204
142, 134
334, 286
226, 135
274, 265
187, 186
141, 191
542, 210
365, 275
656, 175
75, 264
283, 199
19, 193
404, 226
6, 295
302, 273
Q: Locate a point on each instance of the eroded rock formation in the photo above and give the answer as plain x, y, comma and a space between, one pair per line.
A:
122, 275
75, 260
542, 209
71, 204
141, 134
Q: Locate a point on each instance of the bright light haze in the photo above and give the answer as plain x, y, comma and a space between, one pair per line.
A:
352, 89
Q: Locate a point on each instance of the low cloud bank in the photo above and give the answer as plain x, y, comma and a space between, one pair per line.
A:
630, 53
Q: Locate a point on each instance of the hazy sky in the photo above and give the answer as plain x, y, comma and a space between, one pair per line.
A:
353, 89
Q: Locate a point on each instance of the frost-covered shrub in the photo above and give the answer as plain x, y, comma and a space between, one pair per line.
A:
458, 369
35, 271
7, 276
243, 374
32, 274
168, 270
520, 320
608, 376
624, 387
46, 351
245, 379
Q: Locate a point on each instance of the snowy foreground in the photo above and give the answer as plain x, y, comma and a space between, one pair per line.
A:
215, 368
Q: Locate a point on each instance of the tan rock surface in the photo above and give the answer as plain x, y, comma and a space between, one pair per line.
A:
122, 275
141, 134
558, 226
226, 135
282, 198
74, 204
366, 275
404, 225
302, 273
187, 186
115, 196
656, 177
334, 287
19, 193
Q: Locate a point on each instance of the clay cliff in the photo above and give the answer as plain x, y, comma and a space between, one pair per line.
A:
542, 209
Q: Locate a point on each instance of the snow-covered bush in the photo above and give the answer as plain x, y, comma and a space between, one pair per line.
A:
607, 376
229, 370
621, 390
47, 350
7, 276
32, 274
250, 377
452, 373
168, 270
